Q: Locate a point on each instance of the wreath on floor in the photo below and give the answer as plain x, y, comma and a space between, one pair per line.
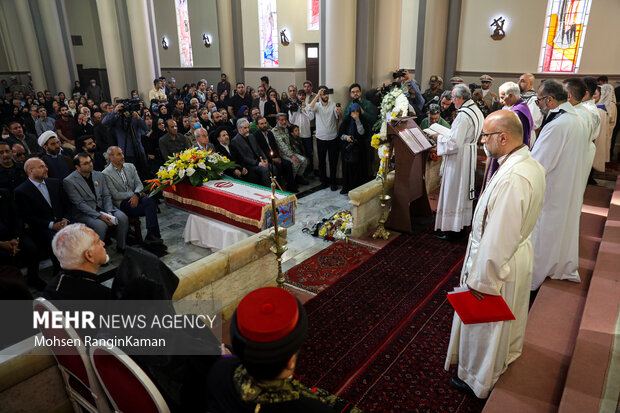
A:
336, 227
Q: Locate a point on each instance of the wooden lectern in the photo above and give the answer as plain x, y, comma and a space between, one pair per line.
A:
410, 198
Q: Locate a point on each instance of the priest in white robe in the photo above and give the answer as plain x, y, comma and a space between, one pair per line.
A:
582, 101
562, 150
458, 150
602, 142
499, 257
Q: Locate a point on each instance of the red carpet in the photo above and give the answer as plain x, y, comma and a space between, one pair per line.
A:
379, 335
323, 269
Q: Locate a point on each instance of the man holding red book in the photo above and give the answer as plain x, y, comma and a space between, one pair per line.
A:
499, 257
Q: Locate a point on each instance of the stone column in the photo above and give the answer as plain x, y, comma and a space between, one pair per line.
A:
339, 47
32, 51
225, 33
58, 54
142, 46
112, 51
387, 41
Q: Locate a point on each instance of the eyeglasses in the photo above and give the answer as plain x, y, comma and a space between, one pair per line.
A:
541, 99
484, 135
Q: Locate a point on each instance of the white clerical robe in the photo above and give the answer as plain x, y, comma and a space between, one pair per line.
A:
589, 114
537, 116
459, 151
499, 261
561, 149
602, 145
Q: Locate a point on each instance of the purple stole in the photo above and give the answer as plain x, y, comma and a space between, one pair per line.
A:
521, 109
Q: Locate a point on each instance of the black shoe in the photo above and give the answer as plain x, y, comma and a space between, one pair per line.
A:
36, 283
334, 187
460, 385
152, 239
344, 191
443, 236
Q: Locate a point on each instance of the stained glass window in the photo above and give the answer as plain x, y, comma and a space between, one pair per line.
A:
565, 30
313, 14
185, 41
268, 28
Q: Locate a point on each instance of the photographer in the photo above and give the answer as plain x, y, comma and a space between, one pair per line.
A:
125, 125
327, 115
414, 95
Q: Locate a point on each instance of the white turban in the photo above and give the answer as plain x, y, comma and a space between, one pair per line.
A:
46, 136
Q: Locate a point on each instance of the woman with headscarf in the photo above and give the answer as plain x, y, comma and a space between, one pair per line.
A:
353, 132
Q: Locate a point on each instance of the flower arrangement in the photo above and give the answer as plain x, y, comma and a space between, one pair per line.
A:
393, 105
196, 166
337, 227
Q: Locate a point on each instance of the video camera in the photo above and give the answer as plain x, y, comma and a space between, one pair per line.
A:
129, 105
398, 73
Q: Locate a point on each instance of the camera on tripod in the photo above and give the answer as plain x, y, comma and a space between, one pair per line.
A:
129, 106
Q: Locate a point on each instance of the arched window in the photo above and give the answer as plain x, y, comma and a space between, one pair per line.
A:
565, 30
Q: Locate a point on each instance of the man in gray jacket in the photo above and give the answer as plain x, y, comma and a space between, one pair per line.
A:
88, 192
126, 191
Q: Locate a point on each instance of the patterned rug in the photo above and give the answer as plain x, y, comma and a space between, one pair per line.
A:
324, 268
379, 335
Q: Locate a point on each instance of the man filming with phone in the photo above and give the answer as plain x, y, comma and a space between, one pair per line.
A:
327, 113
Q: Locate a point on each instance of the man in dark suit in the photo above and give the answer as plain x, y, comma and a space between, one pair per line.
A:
11, 173
223, 148
283, 168
43, 204
87, 145
88, 192
16, 248
27, 140
250, 155
80, 252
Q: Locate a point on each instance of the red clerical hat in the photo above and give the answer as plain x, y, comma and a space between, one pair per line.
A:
269, 324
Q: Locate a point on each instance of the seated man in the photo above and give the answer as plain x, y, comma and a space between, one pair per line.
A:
16, 248
27, 140
281, 167
202, 140
251, 157
88, 192
223, 148
87, 145
434, 116
290, 148
80, 252
267, 330
43, 204
126, 191
11, 173
172, 142
59, 165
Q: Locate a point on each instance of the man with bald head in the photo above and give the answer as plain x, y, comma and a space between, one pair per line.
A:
528, 94
499, 257
43, 204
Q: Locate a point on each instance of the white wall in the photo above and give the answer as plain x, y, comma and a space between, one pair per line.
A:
408, 33
519, 51
293, 15
202, 19
11, 38
83, 21
435, 32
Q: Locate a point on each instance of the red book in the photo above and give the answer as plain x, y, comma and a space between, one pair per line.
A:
474, 311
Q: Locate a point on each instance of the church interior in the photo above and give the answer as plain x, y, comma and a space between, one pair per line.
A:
294, 165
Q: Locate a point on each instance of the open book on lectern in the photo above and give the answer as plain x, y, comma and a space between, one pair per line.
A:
436, 128
415, 139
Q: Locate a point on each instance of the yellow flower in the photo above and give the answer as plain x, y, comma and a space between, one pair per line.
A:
205, 180
322, 231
